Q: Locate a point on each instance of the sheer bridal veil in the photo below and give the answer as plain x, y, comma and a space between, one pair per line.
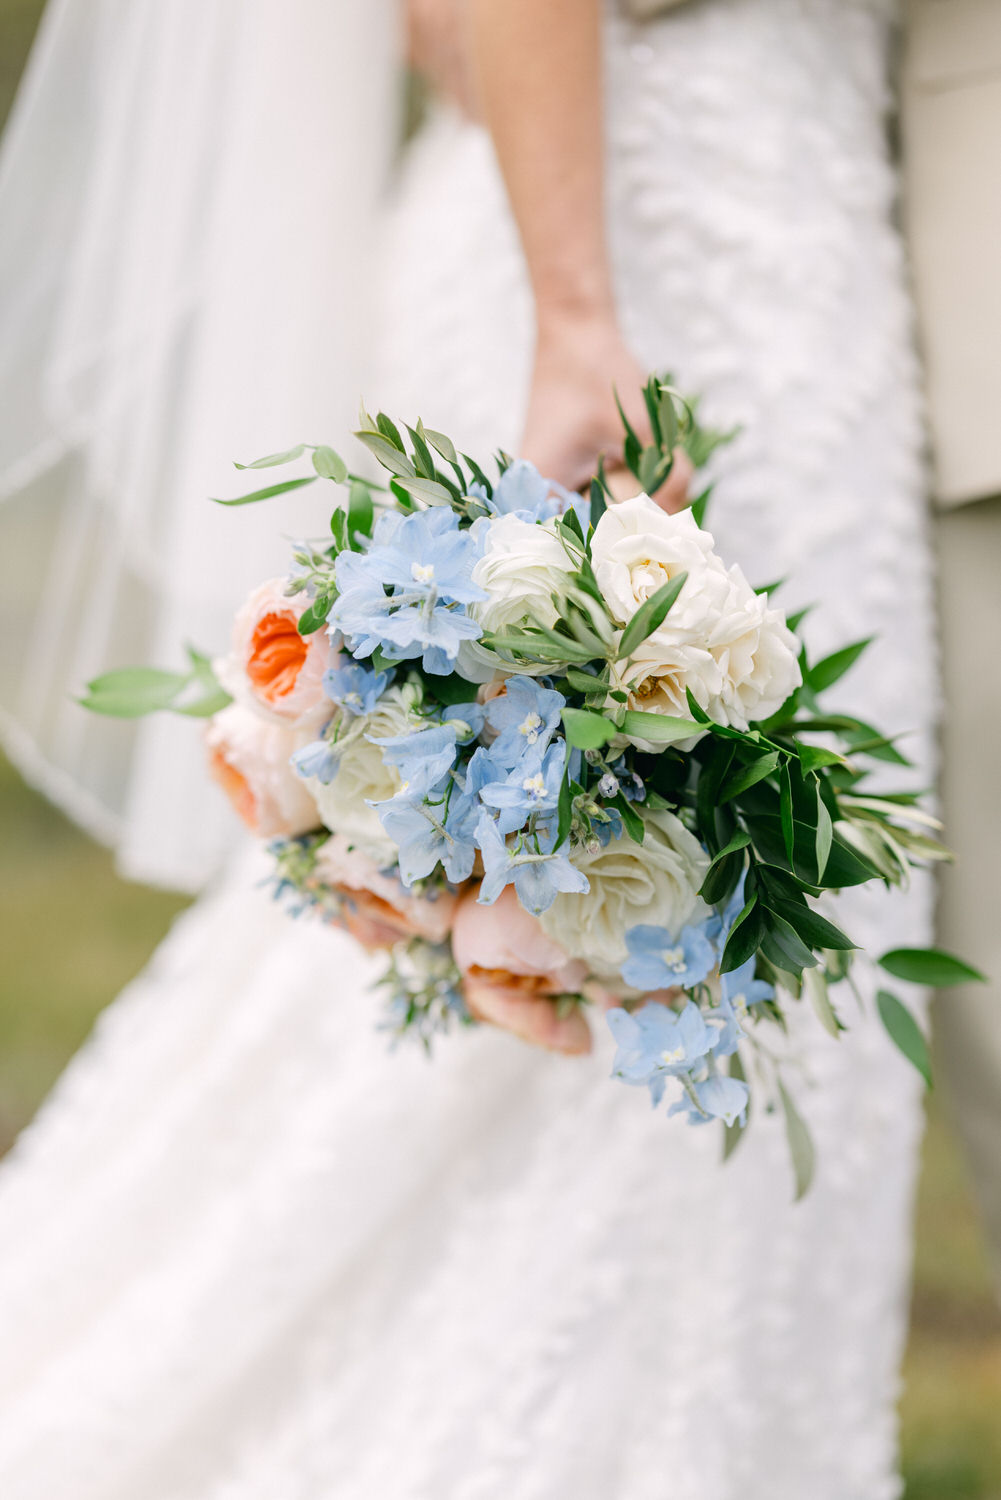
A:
188, 192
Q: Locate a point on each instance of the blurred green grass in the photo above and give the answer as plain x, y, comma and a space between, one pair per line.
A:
72, 934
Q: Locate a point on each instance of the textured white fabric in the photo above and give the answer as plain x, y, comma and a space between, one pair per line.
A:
249, 1255
187, 193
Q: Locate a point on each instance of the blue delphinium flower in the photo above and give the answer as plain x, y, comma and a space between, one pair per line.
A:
408, 592
531, 787
438, 827
318, 758
525, 718
522, 491
538, 872
740, 989
714, 1098
424, 757
657, 960
656, 1043
355, 688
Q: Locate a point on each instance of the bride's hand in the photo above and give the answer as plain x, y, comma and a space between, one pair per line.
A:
438, 48
572, 417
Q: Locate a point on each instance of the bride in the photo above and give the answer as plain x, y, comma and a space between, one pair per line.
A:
246, 1252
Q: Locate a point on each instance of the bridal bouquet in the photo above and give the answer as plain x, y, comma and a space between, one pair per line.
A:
559, 760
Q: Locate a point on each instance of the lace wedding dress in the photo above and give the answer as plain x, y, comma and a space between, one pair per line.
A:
246, 1253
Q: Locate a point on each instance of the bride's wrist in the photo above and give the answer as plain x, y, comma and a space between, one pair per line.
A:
571, 312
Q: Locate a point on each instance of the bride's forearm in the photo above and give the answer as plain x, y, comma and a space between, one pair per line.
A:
540, 80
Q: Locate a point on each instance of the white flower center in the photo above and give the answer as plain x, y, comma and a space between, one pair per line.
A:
534, 785
422, 572
674, 958
352, 700
530, 727
739, 1003
672, 1055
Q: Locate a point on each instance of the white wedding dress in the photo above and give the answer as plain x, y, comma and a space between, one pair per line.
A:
248, 1253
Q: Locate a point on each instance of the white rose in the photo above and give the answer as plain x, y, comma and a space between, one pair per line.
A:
655, 882
637, 548
720, 640
363, 776
758, 657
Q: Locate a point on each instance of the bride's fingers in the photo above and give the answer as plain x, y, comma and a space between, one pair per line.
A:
672, 495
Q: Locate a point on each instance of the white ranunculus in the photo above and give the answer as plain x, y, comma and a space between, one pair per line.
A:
362, 776
655, 882
720, 640
522, 566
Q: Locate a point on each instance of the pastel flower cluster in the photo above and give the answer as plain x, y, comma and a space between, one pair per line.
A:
428, 750
546, 750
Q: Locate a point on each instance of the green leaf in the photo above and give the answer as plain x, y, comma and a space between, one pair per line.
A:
696, 710
441, 444
272, 460
422, 453
813, 756
750, 775
733, 1134
632, 447
650, 615
815, 987
931, 966
700, 505
797, 954
361, 510
315, 615
339, 529
131, 692
631, 820
745, 935
787, 815
660, 729
449, 688
599, 503
387, 454
800, 1144
268, 493
478, 473
390, 431
329, 465
830, 669
740, 840
210, 703
584, 682
564, 813
586, 730
811, 926
825, 835
427, 489
905, 1033
721, 877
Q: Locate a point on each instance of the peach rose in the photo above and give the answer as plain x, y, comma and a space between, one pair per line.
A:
280, 670
378, 912
250, 760
510, 969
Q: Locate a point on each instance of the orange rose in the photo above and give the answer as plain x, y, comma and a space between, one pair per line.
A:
279, 669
